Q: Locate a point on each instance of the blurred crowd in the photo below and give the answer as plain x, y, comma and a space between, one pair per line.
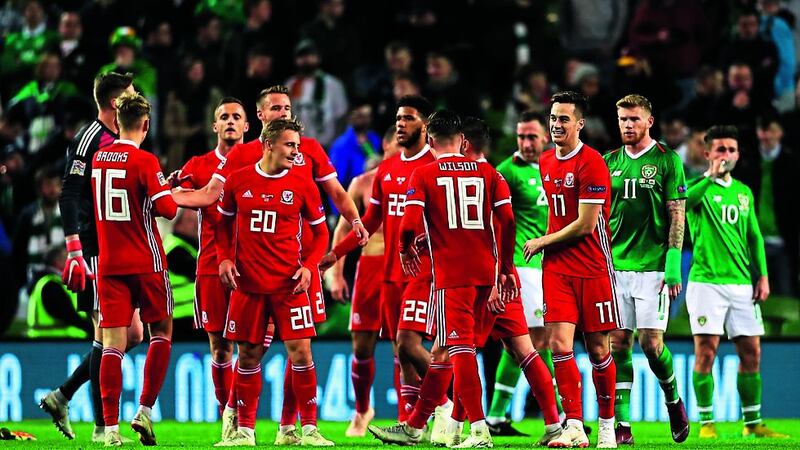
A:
346, 62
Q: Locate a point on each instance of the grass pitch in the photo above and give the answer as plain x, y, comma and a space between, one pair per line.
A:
171, 434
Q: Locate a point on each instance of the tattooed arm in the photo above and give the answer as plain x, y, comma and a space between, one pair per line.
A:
672, 266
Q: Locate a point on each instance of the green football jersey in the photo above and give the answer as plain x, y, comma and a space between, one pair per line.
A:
529, 203
641, 185
724, 228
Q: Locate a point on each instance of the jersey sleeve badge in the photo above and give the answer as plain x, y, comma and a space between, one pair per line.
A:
78, 168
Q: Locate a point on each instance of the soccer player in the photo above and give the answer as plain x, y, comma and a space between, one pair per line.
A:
648, 194
404, 299
211, 297
720, 296
577, 270
365, 315
263, 207
129, 190
77, 215
457, 198
521, 171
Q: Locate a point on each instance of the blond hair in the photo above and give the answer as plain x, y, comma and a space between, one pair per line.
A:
635, 100
273, 129
132, 109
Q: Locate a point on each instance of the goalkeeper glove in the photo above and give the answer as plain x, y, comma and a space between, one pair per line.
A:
76, 271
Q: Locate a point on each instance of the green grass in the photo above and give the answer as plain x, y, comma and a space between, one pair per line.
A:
192, 435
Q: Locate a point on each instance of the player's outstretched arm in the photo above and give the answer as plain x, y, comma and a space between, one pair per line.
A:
409, 257
224, 233
347, 208
584, 225
165, 206
672, 266
200, 198
372, 220
336, 282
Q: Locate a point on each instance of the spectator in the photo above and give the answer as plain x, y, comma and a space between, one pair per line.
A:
22, 50
52, 152
259, 74
740, 107
38, 228
401, 85
750, 47
181, 248
10, 20
445, 88
531, 92
591, 29
601, 117
260, 28
695, 163
160, 51
16, 191
790, 119
78, 59
318, 98
669, 34
770, 176
207, 45
397, 61
709, 87
125, 46
675, 134
188, 111
777, 30
337, 42
351, 151
37, 110
52, 309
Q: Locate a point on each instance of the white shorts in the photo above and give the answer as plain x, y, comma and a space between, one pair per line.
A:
641, 301
532, 296
714, 306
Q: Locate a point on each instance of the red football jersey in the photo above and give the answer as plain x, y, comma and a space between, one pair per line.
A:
458, 196
389, 190
270, 211
311, 159
126, 182
580, 177
201, 168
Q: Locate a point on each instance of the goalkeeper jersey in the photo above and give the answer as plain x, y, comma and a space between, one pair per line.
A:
529, 202
724, 229
641, 186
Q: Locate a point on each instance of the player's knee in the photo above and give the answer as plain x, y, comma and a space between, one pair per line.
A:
651, 346
539, 339
406, 345
704, 358
750, 358
221, 353
135, 337
361, 351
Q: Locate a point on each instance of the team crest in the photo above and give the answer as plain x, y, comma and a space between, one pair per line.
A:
744, 203
538, 313
569, 180
702, 320
287, 197
299, 160
649, 171
232, 326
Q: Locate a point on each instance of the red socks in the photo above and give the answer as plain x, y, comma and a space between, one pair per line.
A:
402, 414
304, 380
459, 413
466, 381
604, 375
289, 408
155, 369
221, 376
362, 372
410, 396
434, 387
232, 399
111, 384
568, 378
541, 383
248, 391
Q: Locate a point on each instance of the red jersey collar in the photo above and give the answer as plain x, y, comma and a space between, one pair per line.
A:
266, 175
126, 142
570, 154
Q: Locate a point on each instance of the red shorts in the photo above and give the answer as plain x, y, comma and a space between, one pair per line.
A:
365, 310
210, 303
404, 306
589, 303
457, 315
121, 294
317, 300
509, 323
249, 314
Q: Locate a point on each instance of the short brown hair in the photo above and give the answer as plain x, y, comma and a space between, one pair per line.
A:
110, 85
277, 89
273, 129
635, 100
575, 98
131, 110
721, 132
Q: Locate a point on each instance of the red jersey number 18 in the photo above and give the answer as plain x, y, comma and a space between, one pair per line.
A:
466, 200
104, 188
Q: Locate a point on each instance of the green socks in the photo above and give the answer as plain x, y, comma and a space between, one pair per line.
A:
704, 393
505, 381
547, 357
622, 401
662, 369
749, 387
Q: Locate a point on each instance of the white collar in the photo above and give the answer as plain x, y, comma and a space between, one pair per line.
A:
720, 181
450, 155
641, 153
481, 159
771, 154
126, 142
570, 154
266, 175
220, 156
30, 32
517, 154
419, 155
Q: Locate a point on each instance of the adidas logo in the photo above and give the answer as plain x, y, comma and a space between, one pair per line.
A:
247, 194
547, 177
388, 177
453, 335
313, 401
